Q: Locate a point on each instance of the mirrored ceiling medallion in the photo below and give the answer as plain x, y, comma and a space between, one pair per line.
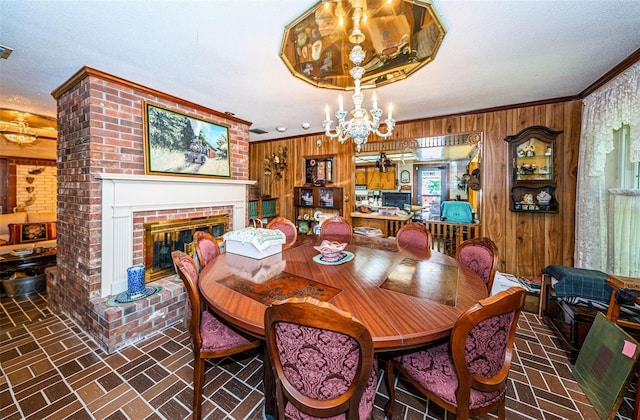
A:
400, 37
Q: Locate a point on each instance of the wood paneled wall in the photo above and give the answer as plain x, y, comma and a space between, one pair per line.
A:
527, 241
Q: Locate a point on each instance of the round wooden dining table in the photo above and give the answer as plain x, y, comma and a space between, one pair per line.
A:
405, 297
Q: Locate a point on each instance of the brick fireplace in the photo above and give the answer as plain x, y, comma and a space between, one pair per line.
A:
105, 198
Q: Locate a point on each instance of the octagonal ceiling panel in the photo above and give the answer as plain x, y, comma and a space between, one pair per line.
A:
401, 36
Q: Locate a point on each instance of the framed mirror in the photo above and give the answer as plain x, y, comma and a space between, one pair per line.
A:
434, 170
318, 170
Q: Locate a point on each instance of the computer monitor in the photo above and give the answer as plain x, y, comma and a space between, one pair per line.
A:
396, 199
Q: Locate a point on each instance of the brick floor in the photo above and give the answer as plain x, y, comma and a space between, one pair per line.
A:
52, 370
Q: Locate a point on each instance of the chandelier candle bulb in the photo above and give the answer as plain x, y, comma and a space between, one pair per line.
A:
326, 111
390, 108
375, 100
341, 107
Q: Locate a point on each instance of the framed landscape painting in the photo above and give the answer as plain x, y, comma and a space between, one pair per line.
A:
176, 144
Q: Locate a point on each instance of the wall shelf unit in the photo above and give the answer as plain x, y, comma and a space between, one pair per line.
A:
307, 201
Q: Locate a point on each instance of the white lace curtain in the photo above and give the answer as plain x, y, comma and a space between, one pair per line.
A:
624, 232
614, 104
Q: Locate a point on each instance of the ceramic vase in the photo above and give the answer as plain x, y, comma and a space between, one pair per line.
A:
135, 281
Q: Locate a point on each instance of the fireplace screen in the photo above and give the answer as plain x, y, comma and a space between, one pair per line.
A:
162, 238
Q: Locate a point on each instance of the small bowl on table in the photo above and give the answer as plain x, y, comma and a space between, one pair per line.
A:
331, 250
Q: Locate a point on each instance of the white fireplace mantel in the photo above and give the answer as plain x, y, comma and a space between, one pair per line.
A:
124, 194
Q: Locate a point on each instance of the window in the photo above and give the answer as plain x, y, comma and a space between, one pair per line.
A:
620, 172
622, 183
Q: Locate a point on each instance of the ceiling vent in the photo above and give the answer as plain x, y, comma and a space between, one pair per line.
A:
258, 131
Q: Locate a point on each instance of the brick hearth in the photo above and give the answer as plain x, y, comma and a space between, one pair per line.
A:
100, 126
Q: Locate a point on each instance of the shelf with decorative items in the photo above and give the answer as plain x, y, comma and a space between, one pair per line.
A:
311, 202
533, 170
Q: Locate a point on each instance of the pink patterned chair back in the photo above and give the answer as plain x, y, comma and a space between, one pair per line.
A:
468, 374
206, 247
414, 235
287, 227
211, 338
323, 355
480, 255
336, 229
188, 272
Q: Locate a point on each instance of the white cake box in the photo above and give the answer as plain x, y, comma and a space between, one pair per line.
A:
254, 242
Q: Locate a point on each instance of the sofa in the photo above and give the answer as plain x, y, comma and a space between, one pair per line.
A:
27, 230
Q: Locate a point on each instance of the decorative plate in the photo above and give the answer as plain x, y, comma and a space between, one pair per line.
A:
124, 297
303, 227
344, 257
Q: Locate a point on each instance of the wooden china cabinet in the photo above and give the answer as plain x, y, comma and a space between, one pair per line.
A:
533, 172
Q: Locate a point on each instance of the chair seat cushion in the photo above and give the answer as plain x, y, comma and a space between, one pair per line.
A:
217, 336
364, 409
433, 368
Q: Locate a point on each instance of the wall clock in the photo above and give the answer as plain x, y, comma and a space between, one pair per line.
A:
405, 177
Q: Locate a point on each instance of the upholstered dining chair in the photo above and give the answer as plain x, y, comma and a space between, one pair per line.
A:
468, 374
211, 338
322, 360
206, 247
336, 228
287, 227
415, 235
480, 255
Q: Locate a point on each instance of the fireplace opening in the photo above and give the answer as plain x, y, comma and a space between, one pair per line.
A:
162, 238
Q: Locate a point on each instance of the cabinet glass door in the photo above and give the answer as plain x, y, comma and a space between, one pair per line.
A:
534, 160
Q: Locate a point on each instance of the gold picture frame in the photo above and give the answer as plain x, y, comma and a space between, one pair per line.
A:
178, 144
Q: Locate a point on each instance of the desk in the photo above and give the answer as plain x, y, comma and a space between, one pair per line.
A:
389, 225
362, 287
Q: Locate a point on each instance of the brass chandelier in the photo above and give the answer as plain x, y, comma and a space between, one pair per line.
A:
22, 134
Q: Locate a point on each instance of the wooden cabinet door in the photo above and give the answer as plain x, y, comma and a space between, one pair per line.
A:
361, 175
377, 180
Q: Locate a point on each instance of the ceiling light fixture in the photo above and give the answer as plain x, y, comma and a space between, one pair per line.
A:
362, 122
22, 134
5, 52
